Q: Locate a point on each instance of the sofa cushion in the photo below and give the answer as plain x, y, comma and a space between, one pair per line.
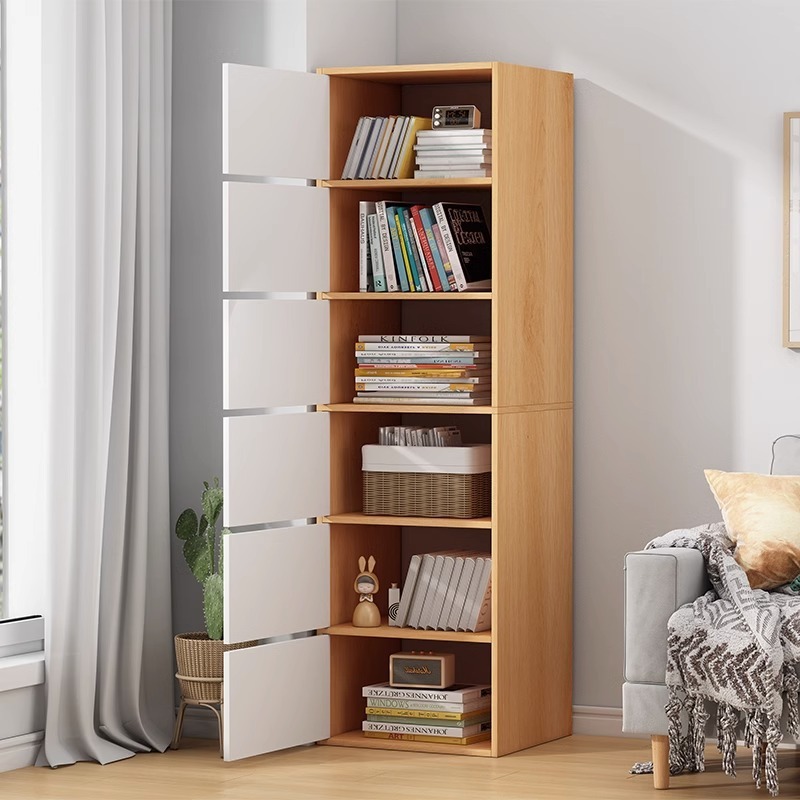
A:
762, 516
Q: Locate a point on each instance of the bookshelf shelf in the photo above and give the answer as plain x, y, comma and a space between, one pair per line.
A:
386, 631
359, 518
357, 739
369, 296
402, 408
404, 184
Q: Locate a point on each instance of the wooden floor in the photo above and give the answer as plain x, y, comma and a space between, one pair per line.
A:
580, 767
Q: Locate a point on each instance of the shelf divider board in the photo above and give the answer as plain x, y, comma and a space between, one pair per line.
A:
462, 72
531, 579
368, 296
400, 184
355, 738
401, 408
359, 518
386, 631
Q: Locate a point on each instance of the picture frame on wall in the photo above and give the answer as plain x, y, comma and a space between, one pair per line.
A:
791, 229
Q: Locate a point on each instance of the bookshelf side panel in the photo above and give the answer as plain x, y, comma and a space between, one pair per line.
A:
532, 578
532, 235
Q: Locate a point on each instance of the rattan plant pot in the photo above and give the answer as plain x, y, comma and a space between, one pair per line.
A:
200, 665
428, 494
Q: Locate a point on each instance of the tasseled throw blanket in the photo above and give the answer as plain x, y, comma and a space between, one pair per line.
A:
737, 647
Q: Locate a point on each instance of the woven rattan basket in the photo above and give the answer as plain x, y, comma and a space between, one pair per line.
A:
200, 665
428, 494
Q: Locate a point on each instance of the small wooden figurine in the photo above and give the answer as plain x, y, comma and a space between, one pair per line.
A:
366, 614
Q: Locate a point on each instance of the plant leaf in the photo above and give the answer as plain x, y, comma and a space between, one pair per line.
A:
212, 504
212, 606
225, 532
195, 551
186, 526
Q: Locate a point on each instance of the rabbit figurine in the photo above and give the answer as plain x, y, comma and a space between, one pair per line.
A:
366, 614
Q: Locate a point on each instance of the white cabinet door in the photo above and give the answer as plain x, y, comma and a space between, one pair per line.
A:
276, 467
274, 238
276, 696
276, 582
274, 122
275, 353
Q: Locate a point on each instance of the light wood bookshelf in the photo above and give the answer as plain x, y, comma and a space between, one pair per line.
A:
529, 424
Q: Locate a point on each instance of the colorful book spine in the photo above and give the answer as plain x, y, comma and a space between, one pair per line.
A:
395, 714
421, 338
450, 247
432, 719
408, 242
428, 222
422, 236
410, 283
421, 346
422, 265
436, 374
384, 704
437, 235
387, 249
376, 257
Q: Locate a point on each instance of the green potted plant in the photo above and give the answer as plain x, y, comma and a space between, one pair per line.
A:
199, 654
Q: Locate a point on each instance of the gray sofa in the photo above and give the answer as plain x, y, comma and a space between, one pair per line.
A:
657, 582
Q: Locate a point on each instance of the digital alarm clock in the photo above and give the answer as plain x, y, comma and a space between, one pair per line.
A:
455, 117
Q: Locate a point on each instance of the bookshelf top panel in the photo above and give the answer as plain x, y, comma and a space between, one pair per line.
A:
467, 72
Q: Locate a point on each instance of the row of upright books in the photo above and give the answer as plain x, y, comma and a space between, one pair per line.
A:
415, 436
454, 153
458, 715
406, 247
449, 590
382, 147
423, 369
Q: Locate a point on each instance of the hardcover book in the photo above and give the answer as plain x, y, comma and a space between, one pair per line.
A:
415, 737
452, 717
461, 693
425, 730
384, 704
468, 243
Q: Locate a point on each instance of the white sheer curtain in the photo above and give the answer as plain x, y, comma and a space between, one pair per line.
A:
106, 78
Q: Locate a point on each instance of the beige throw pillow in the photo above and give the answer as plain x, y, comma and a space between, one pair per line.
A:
762, 515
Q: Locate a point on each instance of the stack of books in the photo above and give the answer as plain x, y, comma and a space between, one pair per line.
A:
405, 247
458, 715
410, 435
450, 590
423, 369
382, 147
454, 153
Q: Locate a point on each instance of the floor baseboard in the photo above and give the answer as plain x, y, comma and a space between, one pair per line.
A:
19, 751
598, 721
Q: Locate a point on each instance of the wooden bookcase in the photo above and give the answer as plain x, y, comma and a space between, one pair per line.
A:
292, 435
527, 655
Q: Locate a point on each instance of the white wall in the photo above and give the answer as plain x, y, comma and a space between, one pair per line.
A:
678, 225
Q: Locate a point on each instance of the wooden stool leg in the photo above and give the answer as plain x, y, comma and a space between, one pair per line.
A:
176, 737
660, 745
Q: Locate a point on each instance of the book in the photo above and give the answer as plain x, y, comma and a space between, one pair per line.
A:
433, 582
398, 704
437, 373
460, 693
353, 147
448, 562
393, 276
414, 737
407, 243
444, 731
482, 161
394, 155
429, 401
407, 593
451, 172
481, 579
405, 260
421, 590
470, 148
483, 621
461, 593
413, 361
448, 269
422, 382
364, 254
421, 346
382, 147
454, 136
431, 713
405, 161
372, 146
425, 245
466, 239
428, 223
428, 338
447, 606
429, 718
420, 389
376, 256
363, 143
422, 264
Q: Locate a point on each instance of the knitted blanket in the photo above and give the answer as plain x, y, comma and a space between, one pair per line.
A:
737, 647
